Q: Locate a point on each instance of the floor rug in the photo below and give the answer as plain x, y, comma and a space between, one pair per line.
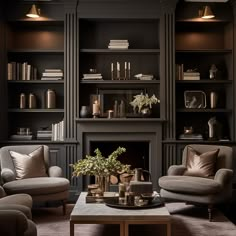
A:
187, 220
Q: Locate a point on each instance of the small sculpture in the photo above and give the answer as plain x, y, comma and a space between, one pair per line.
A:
214, 129
213, 70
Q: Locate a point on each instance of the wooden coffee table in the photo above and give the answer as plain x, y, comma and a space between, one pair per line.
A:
99, 213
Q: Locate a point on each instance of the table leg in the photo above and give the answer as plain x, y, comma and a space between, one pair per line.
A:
122, 228
72, 231
126, 229
168, 232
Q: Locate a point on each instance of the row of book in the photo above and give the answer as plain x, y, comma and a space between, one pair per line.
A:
21, 71
52, 74
186, 75
58, 131
118, 44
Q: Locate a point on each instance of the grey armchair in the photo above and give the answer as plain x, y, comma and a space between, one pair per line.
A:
15, 215
41, 186
194, 189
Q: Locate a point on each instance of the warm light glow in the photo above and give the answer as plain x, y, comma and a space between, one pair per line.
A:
207, 13
34, 12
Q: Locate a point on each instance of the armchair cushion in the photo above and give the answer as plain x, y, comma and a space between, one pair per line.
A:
201, 164
31, 165
190, 185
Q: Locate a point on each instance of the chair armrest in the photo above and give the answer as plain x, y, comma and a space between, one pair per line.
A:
7, 175
23, 209
55, 171
176, 170
2, 192
13, 222
224, 176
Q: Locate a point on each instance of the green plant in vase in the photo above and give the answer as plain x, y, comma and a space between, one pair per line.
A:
100, 166
143, 103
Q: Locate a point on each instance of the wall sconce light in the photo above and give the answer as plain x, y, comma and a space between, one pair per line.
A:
206, 13
34, 12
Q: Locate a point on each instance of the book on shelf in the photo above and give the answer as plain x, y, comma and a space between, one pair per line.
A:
52, 74
53, 70
21, 137
58, 131
21, 71
51, 78
179, 71
191, 77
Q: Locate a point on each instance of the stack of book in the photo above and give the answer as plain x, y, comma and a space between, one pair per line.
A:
52, 74
118, 44
92, 76
191, 75
58, 131
21, 137
44, 134
21, 71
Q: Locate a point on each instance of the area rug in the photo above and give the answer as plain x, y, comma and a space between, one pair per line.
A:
187, 220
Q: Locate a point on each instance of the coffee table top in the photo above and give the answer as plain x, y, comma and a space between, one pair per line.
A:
83, 211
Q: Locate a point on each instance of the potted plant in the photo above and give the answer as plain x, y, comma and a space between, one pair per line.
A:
144, 103
100, 166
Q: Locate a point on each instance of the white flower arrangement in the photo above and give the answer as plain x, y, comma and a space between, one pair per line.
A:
141, 101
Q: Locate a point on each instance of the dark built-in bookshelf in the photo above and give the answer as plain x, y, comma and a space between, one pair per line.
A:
161, 35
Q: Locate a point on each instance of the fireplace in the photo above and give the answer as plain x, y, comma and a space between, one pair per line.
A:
142, 140
136, 155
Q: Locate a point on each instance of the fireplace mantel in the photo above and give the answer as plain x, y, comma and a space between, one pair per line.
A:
146, 130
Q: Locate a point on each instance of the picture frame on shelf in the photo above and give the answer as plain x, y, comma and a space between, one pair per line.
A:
194, 99
109, 98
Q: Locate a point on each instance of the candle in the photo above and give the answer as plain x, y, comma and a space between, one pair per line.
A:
118, 66
125, 65
96, 107
129, 65
112, 68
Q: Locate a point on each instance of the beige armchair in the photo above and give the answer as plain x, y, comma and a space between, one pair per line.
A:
25, 169
193, 181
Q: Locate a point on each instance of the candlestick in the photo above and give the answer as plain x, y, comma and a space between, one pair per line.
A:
112, 71
128, 70
125, 77
118, 70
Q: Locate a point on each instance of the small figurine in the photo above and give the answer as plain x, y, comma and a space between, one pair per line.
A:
213, 70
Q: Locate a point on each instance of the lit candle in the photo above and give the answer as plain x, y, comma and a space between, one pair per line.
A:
96, 107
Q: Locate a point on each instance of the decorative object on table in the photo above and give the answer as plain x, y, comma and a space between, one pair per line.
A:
101, 167
194, 99
214, 129
50, 99
32, 101
213, 72
85, 112
213, 99
144, 103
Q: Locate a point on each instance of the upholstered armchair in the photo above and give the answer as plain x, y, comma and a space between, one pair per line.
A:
15, 215
205, 176
25, 169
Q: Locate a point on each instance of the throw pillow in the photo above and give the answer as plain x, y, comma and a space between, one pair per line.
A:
29, 165
201, 165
